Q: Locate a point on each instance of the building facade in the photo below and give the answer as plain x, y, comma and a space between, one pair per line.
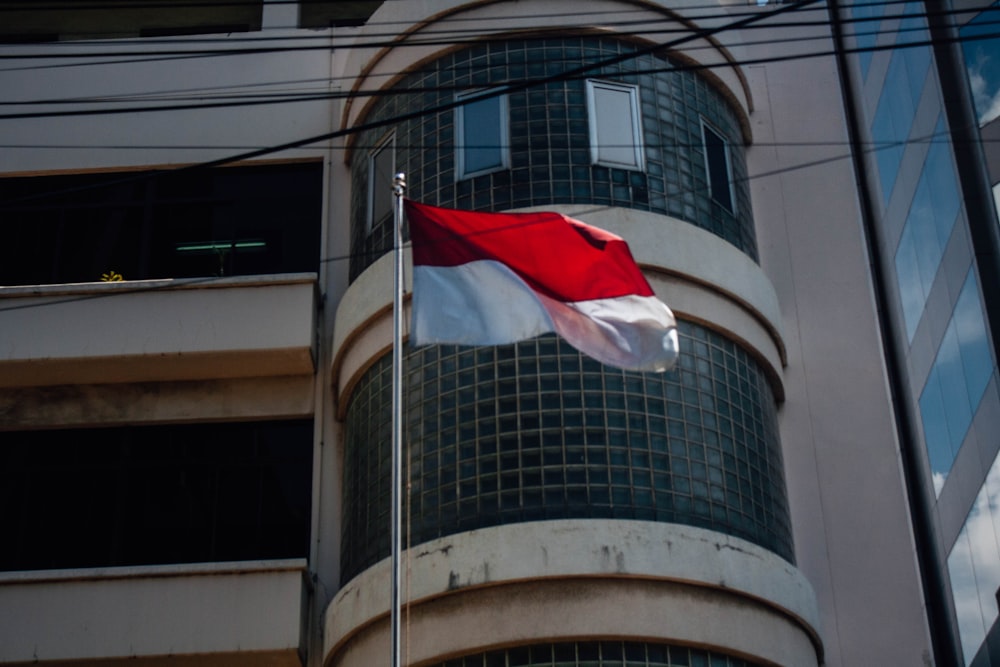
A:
925, 114
196, 334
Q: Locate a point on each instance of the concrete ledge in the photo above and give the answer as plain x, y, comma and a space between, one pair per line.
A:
220, 613
157, 330
551, 580
233, 399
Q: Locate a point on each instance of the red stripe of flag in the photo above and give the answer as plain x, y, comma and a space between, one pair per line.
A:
557, 256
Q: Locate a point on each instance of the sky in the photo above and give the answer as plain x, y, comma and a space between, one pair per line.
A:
982, 58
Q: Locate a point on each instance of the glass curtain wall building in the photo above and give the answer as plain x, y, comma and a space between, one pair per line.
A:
925, 105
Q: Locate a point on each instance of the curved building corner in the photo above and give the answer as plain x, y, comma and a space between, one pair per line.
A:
547, 494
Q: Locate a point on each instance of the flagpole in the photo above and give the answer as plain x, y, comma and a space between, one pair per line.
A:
398, 188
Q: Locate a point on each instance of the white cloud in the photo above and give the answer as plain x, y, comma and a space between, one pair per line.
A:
992, 110
985, 93
974, 566
996, 198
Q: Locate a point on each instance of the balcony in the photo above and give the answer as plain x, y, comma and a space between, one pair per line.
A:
157, 330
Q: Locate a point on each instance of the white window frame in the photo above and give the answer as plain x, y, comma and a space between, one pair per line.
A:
597, 156
460, 156
387, 143
727, 155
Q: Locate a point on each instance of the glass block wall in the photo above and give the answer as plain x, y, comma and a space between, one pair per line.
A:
549, 135
598, 654
533, 431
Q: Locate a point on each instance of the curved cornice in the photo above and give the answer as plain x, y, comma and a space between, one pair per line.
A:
563, 579
409, 38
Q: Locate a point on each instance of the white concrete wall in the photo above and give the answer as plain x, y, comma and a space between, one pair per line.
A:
136, 76
846, 493
174, 613
157, 330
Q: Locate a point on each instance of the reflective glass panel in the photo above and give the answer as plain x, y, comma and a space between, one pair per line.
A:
956, 383
615, 135
865, 17
928, 226
482, 135
981, 46
900, 95
380, 183
974, 566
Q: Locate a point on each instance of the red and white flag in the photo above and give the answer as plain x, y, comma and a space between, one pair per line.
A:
497, 278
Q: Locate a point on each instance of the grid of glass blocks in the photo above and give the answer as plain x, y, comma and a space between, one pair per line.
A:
598, 654
550, 144
535, 430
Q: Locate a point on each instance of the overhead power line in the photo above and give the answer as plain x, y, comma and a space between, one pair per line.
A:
393, 27
494, 92
417, 113
258, 99
253, 152
322, 43
349, 256
510, 87
439, 35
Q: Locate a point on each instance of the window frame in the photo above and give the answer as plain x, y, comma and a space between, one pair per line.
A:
388, 142
593, 116
459, 126
707, 127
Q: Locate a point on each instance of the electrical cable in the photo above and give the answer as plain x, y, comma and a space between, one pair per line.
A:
349, 256
503, 90
445, 21
50, 50
495, 92
285, 98
269, 98
176, 93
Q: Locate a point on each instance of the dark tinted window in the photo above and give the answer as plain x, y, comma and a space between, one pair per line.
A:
155, 494
260, 219
31, 21
323, 13
717, 167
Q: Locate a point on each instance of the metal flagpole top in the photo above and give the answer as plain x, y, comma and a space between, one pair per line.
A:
396, 499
